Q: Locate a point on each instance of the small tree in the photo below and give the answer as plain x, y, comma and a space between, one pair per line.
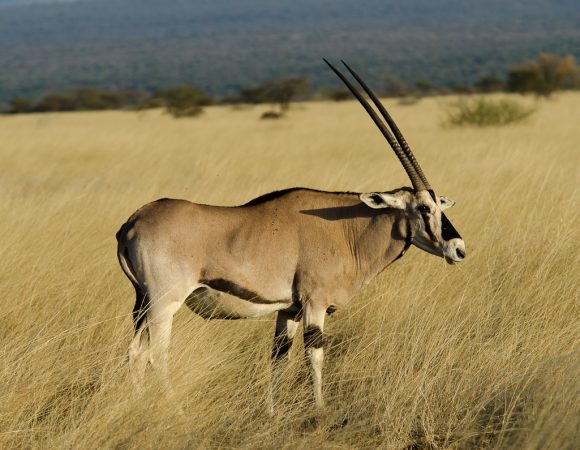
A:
523, 79
253, 95
545, 75
283, 92
184, 101
490, 83
277, 92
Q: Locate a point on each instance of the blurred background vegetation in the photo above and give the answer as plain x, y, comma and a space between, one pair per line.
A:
541, 77
79, 55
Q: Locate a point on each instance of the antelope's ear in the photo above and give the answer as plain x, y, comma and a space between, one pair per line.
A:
446, 202
378, 200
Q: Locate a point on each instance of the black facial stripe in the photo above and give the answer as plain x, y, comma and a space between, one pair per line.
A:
428, 227
448, 232
313, 337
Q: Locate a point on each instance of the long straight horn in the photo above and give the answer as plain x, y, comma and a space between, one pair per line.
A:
396, 131
416, 180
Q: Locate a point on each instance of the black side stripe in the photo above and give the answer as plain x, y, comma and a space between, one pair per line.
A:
229, 287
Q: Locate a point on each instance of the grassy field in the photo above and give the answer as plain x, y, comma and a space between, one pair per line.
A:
484, 354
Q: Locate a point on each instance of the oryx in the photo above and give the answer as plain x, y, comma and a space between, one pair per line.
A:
298, 252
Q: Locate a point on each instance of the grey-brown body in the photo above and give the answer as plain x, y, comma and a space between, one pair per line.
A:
298, 252
296, 245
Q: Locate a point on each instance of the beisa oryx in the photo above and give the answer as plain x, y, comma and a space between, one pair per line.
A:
298, 252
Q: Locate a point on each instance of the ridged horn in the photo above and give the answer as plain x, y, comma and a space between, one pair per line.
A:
416, 180
394, 128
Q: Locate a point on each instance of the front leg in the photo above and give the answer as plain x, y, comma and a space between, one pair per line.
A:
286, 326
313, 344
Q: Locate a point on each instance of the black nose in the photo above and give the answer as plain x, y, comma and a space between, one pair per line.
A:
460, 253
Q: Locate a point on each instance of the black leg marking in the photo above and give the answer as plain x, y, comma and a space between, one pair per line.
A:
313, 337
139, 309
281, 347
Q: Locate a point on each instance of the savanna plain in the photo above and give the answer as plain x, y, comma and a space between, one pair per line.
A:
483, 354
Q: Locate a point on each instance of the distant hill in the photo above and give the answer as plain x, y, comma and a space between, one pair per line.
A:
222, 45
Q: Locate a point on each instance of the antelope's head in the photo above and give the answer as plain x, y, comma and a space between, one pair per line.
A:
432, 231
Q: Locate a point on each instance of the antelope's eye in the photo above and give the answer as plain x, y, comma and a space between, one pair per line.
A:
423, 208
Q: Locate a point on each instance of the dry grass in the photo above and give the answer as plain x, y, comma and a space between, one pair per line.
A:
480, 355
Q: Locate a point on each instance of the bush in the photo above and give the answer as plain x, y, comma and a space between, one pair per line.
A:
268, 115
251, 95
183, 101
486, 112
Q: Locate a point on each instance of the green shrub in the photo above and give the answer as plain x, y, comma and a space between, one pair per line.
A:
483, 112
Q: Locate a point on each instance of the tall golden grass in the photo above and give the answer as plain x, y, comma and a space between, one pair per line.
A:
479, 355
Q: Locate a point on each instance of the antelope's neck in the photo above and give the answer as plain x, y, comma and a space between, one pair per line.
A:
385, 239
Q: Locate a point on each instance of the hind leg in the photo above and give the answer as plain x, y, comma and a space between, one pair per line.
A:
153, 318
162, 306
159, 324
139, 346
